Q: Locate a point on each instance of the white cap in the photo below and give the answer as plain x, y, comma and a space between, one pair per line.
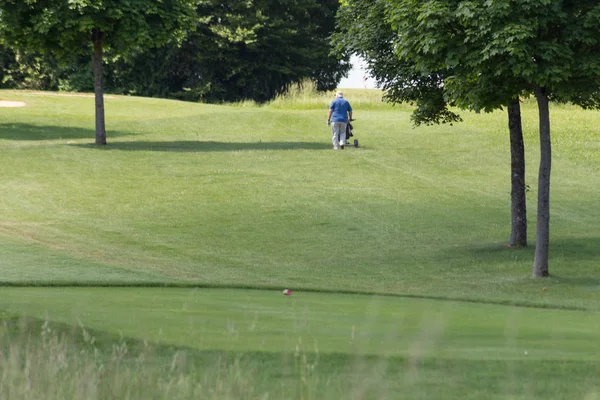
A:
339, 94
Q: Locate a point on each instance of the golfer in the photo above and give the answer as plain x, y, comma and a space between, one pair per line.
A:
340, 112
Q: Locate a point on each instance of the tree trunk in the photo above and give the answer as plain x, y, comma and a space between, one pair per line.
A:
97, 37
518, 206
540, 262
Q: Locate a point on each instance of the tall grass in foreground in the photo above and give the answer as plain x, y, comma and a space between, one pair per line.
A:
50, 363
48, 366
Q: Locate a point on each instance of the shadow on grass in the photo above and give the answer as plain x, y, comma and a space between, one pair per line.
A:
190, 146
584, 282
576, 249
569, 249
566, 251
20, 131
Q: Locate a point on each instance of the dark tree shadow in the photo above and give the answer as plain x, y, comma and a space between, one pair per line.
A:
569, 249
565, 251
189, 146
591, 283
19, 131
576, 249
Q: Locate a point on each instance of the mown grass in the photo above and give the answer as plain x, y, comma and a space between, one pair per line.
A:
218, 195
241, 196
267, 321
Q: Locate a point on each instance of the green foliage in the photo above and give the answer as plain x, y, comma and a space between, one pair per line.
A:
363, 29
64, 27
37, 31
37, 71
495, 51
227, 52
240, 50
479, 55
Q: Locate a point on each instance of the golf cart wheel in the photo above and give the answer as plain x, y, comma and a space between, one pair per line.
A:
355, 143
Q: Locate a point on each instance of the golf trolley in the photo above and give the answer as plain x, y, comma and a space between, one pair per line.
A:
349, 129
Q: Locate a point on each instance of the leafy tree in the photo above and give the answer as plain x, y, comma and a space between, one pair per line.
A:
28, 70
507, 48
364, 28
240, 50
68, 27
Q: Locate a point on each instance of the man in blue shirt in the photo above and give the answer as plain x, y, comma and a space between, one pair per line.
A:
340, 112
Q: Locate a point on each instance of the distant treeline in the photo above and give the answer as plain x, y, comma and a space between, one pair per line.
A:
234, 51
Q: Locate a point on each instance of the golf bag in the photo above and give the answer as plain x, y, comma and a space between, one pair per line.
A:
349, 134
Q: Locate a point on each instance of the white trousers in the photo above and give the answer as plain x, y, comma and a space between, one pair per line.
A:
338, 137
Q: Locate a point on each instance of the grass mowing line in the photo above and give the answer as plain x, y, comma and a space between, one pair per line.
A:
191, 285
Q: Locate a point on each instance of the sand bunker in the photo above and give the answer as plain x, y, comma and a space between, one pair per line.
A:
6, 103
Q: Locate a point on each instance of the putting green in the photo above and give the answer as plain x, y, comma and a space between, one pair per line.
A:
256, 320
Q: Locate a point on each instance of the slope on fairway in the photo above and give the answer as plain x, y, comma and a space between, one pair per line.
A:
254, 196
253, 320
